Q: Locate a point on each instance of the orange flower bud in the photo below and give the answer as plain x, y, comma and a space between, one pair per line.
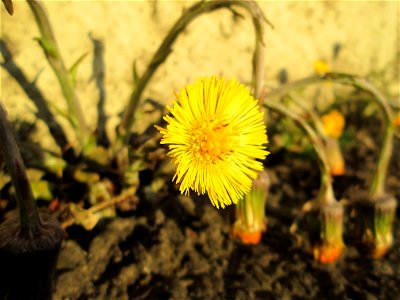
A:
333, 123
247, 237
327, 254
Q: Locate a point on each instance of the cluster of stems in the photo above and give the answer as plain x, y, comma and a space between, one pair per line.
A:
326, 212
378, 182
375, 212
332, 148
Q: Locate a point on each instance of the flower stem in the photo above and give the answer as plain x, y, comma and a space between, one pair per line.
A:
326, 194
250, 220
53, 55
166, 48
378, 181
377, 188
331, 144
315, 118
250, 214
28, 211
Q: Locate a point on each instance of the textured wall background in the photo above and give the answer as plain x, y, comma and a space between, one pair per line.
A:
368, 33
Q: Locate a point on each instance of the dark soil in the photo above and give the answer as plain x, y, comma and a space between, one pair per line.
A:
180, 248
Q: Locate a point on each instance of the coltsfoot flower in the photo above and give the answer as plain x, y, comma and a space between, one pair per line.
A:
216, 135
333, 123
321, 67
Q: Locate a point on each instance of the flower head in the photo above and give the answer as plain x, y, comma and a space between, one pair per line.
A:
215, 134
321, 67
333, 123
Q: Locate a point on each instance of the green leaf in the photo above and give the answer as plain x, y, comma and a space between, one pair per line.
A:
96, 153
48, 47
54, 164
86, 177
88, 218
99, 192
74, 68
41, 189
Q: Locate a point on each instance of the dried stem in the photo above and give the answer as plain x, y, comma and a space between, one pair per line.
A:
165, 49
378, 181
9, 6
28, 211
53, 55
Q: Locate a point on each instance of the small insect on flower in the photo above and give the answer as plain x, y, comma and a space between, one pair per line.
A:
216, 135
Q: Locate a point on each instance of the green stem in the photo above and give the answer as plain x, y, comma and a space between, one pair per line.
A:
315, 118
326, 194
289, 87
250, 214
53, 55
377, 188
28, 211
165, 49
251, 207
378, 181
259, 49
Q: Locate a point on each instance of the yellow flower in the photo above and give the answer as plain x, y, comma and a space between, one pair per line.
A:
215, 134
333, 123
321, 67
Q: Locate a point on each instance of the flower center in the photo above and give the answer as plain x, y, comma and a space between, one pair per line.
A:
212, 141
